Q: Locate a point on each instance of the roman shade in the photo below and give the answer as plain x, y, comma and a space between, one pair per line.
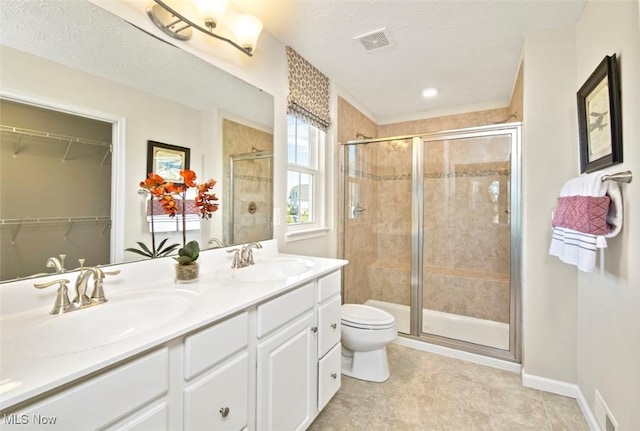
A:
308, 98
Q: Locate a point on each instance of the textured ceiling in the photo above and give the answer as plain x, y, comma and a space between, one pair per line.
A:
469, 50
80, 35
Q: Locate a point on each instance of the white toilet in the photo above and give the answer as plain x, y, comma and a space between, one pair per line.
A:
366, 331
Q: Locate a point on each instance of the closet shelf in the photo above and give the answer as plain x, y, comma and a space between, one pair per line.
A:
55, 136
14, 221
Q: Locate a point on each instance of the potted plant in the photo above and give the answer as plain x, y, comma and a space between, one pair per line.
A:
151, 185
205, 202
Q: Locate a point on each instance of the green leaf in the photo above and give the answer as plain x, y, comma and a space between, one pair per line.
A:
144, 247
135, 250
168, 250
184, 260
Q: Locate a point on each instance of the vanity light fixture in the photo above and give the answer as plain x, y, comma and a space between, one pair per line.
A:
246, 28
429, 92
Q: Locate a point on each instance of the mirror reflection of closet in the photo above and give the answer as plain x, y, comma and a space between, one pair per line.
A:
55, 196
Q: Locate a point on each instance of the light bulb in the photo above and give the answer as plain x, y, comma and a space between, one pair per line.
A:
247, 29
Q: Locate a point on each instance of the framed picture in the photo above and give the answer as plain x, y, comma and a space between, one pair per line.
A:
167, 160
599, 118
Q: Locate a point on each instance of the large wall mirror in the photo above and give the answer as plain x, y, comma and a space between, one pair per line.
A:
81, 94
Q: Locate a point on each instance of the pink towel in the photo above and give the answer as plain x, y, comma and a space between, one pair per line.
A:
586, 214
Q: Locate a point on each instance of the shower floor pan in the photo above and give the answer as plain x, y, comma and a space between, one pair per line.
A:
470, 329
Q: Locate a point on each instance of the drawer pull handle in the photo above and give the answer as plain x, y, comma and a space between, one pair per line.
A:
314, 329
224, 411
334, 325
334, 376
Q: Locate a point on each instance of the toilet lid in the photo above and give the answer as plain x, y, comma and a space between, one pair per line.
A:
366, 315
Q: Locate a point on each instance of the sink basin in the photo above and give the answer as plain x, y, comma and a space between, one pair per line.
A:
123, 316
269, 269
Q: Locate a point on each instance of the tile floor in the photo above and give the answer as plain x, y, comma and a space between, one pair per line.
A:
432, 392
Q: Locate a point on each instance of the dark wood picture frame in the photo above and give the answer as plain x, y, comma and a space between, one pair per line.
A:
599, 118
167, 160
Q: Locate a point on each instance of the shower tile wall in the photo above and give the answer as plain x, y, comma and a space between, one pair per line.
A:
456, 279
254, 182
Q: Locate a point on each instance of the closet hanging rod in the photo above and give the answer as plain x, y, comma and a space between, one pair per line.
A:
20, 221
621, 177
41, 134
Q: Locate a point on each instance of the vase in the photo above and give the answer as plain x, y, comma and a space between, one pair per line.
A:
187, 273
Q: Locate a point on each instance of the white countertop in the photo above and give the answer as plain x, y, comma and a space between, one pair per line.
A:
26, 374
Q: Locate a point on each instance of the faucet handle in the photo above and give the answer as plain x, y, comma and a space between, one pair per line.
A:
81, 261
236, 257
116, 272
62, 303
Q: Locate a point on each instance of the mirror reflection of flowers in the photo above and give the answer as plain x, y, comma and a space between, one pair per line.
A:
165, 192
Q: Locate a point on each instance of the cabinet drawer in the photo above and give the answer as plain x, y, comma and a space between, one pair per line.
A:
112, 395
329, 375
152, 419
285, 308
329, 285
210, 346
220, 400
328, 325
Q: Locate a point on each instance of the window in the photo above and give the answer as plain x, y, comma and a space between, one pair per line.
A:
304, 178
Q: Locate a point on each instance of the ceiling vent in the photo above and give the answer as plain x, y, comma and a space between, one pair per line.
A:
375, 40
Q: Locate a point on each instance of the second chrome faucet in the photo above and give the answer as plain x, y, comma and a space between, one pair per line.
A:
244, 257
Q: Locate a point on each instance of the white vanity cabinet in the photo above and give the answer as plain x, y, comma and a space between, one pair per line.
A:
99, 401
269, 365
298, 354
286, 354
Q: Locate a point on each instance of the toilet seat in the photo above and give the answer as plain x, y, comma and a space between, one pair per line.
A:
365, 317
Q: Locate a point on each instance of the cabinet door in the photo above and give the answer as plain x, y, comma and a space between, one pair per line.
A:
328, 325
287, 377
220, 400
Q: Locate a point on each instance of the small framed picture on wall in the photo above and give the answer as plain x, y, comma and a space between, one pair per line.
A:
599, 118
167, 160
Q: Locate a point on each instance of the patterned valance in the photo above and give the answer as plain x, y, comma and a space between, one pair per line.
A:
308, 92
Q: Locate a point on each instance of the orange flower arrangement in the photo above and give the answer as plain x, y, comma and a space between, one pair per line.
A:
165, 193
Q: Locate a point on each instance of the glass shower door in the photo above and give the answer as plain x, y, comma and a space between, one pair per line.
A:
465, 291
377, 201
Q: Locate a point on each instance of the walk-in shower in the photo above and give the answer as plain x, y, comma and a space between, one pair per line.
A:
431, 231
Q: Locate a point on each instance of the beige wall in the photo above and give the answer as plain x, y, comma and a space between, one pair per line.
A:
581, 328
608, 334
550, 157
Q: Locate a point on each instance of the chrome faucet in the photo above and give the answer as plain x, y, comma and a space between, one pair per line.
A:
217, 242
247, 253
81, 300
244, 257
57, 263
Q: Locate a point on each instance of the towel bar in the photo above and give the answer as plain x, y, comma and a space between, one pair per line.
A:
621, 177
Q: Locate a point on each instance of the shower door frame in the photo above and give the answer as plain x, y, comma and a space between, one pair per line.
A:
514, 353
515, 246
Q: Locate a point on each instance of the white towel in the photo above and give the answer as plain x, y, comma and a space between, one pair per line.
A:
578, 248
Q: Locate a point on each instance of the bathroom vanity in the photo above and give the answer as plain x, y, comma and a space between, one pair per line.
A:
256, 349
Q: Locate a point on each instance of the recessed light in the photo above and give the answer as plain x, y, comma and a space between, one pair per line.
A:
429, 92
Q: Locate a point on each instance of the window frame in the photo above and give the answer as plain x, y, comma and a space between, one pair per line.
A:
316, 170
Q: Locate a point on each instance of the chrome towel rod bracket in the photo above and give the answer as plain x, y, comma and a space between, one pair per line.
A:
621, 177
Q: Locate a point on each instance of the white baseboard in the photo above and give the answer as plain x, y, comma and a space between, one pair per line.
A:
562, 388
459, 354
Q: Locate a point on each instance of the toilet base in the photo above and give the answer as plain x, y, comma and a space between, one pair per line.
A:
372, 366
